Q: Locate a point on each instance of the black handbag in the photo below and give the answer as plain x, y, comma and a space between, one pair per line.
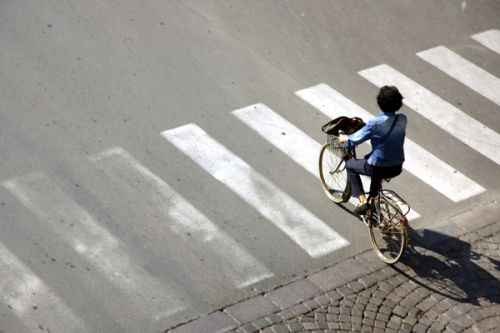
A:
345, 124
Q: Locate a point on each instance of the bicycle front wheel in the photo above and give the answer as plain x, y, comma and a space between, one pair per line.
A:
333, 174
388, 230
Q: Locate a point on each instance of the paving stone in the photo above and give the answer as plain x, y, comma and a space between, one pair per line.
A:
334, 309
334, 295
368, 281
370, 261
385, 310
371, 307
309, 325
344, 318
322, 325
267, 330
333, 326
345, 291
344, 310
363, 300
294, 293
328, 279
345, 326
379, 324
320, 317
370, 314
356, 327
299, 309
400, 311
262, 322
356, 286
295, 327
383, 299
349, 301
368, 321
251, 309
249, 328
405, 328
214, 322
311, 305
286, 314
356, 312
420, 328
322, 300
382, 317
280, 329
394, 323
273, 318
437, 326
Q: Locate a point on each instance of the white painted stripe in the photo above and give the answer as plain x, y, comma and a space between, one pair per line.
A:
490, 39
99, 247
464, 71
333, 105
286, 137
31, 300
305, 229
443, 114
421, 163
184, 220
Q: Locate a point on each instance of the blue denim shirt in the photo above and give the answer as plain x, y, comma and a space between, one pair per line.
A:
387, 153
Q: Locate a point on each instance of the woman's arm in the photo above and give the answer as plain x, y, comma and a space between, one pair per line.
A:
358, 137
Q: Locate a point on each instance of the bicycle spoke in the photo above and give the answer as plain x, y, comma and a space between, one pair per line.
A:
387, 230
333, 174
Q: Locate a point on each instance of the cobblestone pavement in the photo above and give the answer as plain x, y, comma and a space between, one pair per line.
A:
448, 281
453, 287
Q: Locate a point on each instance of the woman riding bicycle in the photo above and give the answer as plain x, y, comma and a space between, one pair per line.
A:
387, 133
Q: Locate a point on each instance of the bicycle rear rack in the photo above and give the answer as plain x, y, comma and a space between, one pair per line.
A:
403, 205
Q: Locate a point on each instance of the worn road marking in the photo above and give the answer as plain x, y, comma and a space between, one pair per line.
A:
185, 221
95, 243
464, 71
305, 229
443, 114
31, 300
490, 39
421, 163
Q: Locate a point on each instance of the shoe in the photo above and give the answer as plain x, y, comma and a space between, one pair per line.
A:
362, 209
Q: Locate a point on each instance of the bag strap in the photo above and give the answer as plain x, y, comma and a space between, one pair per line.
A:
390, 129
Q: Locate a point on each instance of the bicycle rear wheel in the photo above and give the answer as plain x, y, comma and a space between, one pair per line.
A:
388, 230
333, 174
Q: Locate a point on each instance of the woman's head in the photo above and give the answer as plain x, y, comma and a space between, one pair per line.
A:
389, 99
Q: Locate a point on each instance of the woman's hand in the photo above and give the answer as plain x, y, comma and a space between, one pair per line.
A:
342, 138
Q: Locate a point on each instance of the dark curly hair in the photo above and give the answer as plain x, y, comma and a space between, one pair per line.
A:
389, 99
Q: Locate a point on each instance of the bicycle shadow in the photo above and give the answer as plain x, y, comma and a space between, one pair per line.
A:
448, 266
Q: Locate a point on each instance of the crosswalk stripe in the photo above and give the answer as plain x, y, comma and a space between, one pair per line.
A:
434, 108
76, 226
464, 71
320, 96
286, 137
31, 300
421, 163
305, 229
185, 221
490, 39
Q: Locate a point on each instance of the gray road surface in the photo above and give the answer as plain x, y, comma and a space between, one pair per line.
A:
108, 227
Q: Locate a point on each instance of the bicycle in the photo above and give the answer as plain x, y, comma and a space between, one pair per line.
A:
386, 221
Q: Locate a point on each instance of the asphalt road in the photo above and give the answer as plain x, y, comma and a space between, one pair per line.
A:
108, 227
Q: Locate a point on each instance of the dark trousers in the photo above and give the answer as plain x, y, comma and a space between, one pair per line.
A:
357, 167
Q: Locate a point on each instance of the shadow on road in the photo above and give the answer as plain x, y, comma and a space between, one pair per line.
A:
449, 267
